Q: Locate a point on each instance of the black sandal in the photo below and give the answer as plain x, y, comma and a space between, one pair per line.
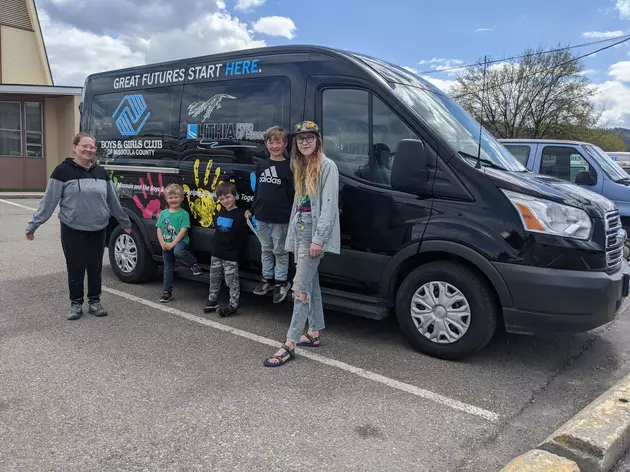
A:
282, 358
311, 341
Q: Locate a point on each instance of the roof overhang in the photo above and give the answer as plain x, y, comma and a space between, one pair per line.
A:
57, 91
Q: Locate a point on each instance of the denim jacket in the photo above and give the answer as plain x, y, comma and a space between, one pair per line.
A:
324, 212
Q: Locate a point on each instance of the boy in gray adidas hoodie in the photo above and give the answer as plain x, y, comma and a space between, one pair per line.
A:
87, 199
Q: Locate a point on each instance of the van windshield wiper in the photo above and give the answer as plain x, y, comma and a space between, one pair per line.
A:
623, 181
481, 159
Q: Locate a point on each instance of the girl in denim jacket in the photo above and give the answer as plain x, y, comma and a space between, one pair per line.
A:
313, 231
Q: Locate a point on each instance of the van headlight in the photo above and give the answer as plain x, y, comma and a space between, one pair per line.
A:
545, 216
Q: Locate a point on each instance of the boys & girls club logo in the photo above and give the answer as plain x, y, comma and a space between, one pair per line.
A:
131, 115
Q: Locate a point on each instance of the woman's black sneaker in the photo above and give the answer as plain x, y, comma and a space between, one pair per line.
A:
227, 311
165, 298
196, 270
281, 291
211, 306
264, 287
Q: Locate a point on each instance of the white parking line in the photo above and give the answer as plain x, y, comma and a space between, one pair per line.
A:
8, 202
412, 389
404, 387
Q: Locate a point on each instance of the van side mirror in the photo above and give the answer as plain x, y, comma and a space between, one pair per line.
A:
585, 177
410, 171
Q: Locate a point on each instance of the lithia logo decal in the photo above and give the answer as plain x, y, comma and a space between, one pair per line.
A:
209, 106
131, 111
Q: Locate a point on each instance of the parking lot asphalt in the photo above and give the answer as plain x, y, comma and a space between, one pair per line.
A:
154, 387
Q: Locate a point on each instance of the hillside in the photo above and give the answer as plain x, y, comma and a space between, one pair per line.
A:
625, 135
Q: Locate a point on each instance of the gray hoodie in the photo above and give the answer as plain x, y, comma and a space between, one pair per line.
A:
86, 198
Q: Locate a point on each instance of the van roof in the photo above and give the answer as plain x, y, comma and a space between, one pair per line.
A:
385, 70
543, 141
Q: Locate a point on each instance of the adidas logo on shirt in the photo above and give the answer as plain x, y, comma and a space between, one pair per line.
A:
270, 176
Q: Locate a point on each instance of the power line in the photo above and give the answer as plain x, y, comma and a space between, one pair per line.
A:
575, 59
549, 51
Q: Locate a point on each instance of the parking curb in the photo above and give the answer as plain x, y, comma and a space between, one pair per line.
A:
538, 461
594, 439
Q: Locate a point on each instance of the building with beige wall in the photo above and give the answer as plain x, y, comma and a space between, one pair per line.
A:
37, 118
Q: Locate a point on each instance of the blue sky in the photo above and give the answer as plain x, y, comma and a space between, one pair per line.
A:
408, 32
85, 36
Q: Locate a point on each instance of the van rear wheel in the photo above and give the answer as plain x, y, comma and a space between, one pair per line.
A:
446, 310
129, 256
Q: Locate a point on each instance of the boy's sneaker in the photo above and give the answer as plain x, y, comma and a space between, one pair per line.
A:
165, 298
211, 306
281, 291
196, 270
75, 312
264, 287
227, 311
97, 309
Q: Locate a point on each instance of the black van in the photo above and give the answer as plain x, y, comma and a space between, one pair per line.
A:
440, 223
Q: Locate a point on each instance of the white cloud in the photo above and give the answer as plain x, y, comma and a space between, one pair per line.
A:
442, 84
484, 30
602, 34
623, 6
73, 54
275, 26
620, 71
440, 60
613, 98
76, 50
248, 5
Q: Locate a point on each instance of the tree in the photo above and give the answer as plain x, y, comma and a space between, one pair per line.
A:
606, 139
536, 97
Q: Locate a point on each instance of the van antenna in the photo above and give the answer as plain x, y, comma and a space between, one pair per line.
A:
483, 97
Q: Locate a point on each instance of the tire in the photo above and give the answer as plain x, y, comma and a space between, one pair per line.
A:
136, 264
472, 295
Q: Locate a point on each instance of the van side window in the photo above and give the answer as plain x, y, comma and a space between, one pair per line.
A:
562, 162
521, 152
226, 121
361, 134
137, 124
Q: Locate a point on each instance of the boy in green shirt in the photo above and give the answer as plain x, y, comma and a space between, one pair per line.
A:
172, 232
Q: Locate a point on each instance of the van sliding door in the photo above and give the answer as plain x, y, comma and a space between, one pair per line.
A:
137, 139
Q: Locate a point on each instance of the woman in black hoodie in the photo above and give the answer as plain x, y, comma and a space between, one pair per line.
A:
87, 199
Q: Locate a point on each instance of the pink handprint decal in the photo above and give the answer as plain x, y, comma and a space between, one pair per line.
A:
151, 204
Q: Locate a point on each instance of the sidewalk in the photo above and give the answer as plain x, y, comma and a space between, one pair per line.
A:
20, 195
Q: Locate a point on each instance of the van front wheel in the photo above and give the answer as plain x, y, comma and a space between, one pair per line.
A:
129, 257
446, 310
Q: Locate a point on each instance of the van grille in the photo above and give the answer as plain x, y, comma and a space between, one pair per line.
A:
614, 247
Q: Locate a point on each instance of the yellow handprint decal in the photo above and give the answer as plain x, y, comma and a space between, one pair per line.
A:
205, 206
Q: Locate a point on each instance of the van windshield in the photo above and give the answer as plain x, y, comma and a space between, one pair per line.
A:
450, 120
443, 114
610, 167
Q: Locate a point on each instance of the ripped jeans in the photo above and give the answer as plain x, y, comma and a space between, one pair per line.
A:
306, 280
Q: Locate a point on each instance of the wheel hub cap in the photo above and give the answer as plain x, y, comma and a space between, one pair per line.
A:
126, 253
440, 312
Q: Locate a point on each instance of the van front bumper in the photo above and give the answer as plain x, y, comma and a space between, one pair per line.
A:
555, 301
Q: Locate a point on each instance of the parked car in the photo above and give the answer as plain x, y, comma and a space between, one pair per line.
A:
619, 156
440, 224
581, 163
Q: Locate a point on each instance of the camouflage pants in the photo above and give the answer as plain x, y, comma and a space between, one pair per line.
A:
219, 267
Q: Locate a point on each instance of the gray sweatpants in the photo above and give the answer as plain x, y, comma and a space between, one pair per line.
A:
219, 268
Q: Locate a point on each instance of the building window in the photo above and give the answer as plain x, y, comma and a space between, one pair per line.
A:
10, 129
21, 129
34, 129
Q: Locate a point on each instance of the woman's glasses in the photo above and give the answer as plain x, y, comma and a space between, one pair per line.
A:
305, 139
